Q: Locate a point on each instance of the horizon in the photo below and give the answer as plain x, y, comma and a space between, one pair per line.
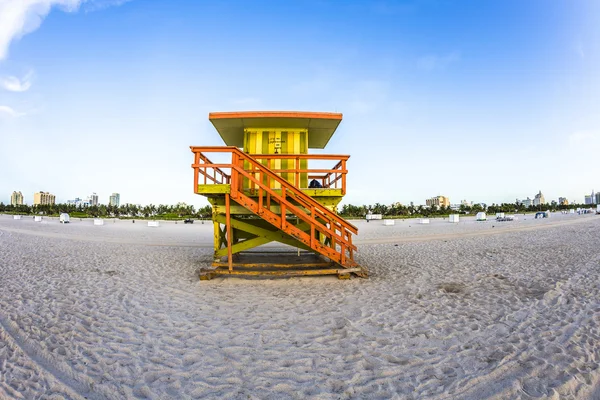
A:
474, 102
84, 198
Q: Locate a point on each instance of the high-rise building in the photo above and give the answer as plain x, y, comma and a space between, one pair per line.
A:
43, 198
438, 201
93, 199
539, 199
16, 199
592, 198
115, 199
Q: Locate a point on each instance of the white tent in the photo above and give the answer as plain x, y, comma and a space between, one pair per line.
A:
481, 216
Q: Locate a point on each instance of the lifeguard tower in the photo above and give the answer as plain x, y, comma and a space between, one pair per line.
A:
265, 187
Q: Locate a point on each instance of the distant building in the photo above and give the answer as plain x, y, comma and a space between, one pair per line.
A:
539, 199
115, 199
40, 198
77, 202
563, 201
16, 199
93, 199
593, 198
438, 201
466, 203
526, 203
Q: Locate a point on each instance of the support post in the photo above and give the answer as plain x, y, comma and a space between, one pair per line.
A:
228, 226
196, 171
217, 239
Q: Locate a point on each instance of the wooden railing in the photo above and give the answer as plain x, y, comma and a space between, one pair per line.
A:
333, 178
214, 175
290, 199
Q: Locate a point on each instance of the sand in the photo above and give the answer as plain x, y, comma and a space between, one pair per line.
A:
470, 310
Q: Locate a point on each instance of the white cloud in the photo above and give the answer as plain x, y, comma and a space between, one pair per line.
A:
14, 84
19, 17
432, 62
6, 111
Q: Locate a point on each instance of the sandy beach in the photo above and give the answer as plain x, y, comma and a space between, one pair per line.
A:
474, 310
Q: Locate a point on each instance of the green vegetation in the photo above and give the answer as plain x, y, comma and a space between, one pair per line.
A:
400, 211
164, 212
183, 211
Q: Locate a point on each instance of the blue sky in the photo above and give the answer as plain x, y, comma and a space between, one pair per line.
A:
479, 100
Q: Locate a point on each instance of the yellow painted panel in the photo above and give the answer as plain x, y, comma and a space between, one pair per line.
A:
278, 141
214, 188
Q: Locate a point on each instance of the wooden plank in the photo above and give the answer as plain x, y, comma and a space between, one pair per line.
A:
279, 265
213, 189
298, 272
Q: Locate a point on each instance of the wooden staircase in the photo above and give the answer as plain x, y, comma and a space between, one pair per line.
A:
267, 195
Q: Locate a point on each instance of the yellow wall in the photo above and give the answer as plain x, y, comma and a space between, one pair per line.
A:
280, 141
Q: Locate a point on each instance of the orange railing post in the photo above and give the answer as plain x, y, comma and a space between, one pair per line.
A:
343, 177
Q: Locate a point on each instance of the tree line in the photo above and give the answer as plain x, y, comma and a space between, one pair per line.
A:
161, 211
182, 211
401, 211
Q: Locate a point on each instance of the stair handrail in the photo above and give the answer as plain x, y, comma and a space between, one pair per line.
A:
344, 238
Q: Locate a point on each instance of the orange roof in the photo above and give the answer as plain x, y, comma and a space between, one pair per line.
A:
320, 125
